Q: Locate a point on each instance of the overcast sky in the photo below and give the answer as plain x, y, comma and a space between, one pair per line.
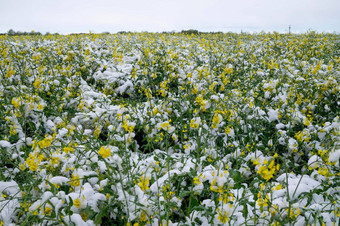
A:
70, 16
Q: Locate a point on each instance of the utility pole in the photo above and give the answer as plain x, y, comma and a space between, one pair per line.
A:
289, 28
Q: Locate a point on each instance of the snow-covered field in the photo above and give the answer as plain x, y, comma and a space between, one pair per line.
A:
150, 129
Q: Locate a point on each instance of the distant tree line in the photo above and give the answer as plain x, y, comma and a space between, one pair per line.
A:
11, 32
196, 32
186, 32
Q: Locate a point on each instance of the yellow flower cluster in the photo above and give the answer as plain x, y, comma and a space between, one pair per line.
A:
267, 171
104, 152
128, 128
144, 183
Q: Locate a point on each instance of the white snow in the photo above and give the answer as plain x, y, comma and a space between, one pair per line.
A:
62, 132
280, 126
91, 196
334, 156
127, 87
50, 125
46, 196
273, 115
314, 161
59, 180
5, 144
78, 221
298, 184
7, 210
10, 188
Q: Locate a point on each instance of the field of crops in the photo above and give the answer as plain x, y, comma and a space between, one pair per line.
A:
170, 129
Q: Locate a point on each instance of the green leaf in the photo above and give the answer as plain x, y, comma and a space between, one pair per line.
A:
100, 215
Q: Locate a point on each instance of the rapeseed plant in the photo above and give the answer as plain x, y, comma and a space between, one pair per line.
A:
171, 129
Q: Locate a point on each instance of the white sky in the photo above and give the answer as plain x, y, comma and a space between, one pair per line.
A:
71, 16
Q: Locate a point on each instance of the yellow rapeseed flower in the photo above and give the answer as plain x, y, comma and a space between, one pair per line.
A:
216, 120
144, 183
77, 203
75, 180
223, 217
16, 102
104, 152
47, 211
